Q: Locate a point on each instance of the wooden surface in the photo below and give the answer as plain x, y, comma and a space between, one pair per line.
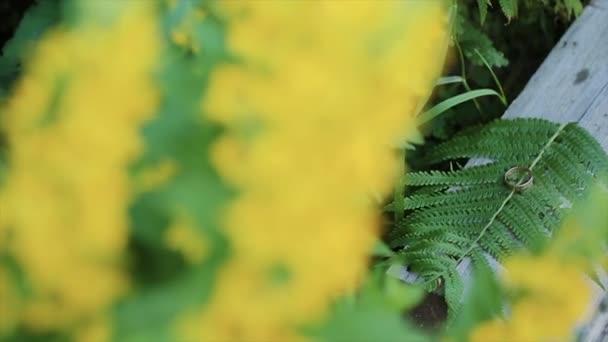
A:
570, 86
572, 83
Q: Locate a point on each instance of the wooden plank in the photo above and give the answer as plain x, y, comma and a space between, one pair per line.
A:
570, 86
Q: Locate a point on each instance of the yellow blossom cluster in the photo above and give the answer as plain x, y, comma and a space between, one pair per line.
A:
554, 297
73, 128
322, 91
183, 236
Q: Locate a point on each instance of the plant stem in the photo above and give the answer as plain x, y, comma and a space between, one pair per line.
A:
463, 73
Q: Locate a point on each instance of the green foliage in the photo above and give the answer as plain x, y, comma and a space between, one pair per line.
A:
484, 303
35, 22
512, 47
510, 8
168, 285
472, 214
454, 101
374, 314
469, 38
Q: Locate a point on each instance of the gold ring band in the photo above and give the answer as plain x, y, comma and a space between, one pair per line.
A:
519, 178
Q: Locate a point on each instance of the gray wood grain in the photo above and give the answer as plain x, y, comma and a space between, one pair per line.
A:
570, 86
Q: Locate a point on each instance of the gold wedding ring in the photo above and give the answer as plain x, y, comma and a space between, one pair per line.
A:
519, 178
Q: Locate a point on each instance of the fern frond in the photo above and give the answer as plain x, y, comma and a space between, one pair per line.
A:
480, 193
509, 8
472, 214
454, 287
483, 10
474, 43
482, 174
569, 7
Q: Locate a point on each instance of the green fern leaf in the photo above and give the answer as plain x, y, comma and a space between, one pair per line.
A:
454, 287
473, 214
471, 38
569, 7
483, 10
509, 8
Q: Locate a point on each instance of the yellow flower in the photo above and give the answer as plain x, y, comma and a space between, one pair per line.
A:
155, 177
322, 93
95, 331
555, 298
73, 128
182, 236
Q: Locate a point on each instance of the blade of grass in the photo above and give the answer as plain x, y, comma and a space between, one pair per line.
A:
452, 102
449, 80
463, 72
503, 97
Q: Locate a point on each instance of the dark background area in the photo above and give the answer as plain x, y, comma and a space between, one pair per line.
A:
11, 12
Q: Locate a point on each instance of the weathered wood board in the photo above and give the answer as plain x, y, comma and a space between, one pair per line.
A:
572, 83
570, 86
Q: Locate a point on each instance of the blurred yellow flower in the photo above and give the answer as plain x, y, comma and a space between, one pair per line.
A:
323, 92
555, 297
73, 128
182, 236
155, 177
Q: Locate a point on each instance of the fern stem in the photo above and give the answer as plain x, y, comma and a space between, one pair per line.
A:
486, 227
551, 140
503, 97
511, 194
463, 71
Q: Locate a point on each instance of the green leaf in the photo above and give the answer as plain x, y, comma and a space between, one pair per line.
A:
503, 97
483, 10
454, 288
381, 249
37, 20
402, 295
449, 80
483, 303
471, 38
452, 102
365, 323
397, 206
375, 314
573, 7
509, 8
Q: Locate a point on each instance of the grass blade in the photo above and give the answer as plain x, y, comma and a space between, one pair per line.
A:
449, 80
454, 101
503, 97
